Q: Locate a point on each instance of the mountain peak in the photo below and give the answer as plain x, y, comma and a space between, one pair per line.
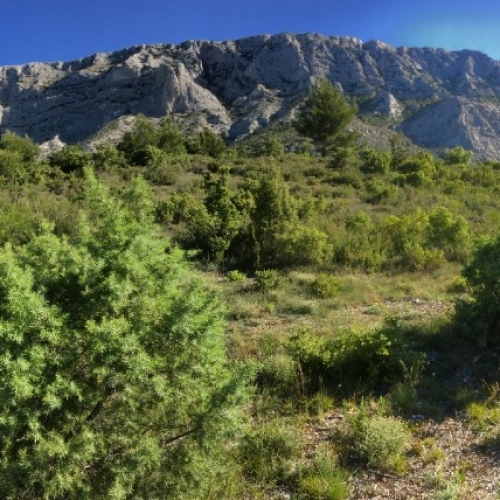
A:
238, 86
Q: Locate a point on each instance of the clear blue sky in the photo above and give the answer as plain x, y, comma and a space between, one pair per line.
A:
64, 30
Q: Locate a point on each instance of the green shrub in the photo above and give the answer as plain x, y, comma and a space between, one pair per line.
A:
377, 191
279, 375
303, 245
449, 233
348, 175
269, 450
323, 479
114, 380
418, 170
146, 134
458, 286
161, 168
450, 490
71, 159
359, 246
319, 403
379, 440
267, 280
479, 316
416, 257
353, 360
324, 116
326, 286
206, 142
457, 156
236, 276
375, 162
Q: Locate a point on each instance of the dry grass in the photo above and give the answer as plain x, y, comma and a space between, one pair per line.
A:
363, 300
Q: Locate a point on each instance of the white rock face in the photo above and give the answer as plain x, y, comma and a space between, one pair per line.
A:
385, 104
235, 87
458, 121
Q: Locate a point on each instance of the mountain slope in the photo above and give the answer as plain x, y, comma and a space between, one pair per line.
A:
436, 97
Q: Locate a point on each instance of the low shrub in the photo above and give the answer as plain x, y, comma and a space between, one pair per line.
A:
236, 276
353, 360
267, 280
379, 440
279, 375
269, 450
326, 286
323, 479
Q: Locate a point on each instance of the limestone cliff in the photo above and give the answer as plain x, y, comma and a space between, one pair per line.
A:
436, 97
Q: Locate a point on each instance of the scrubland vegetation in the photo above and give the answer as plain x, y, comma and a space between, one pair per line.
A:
183, 319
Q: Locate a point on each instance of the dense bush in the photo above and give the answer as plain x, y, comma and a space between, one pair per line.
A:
71, 159
375, 162
166, 137
479, 316
352, 360
269, 451
113, 377
206, 142
380, 440
323, 479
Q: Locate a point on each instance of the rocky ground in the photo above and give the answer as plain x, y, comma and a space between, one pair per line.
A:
449, 459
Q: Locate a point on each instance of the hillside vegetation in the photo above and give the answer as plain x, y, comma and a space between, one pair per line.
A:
282, 318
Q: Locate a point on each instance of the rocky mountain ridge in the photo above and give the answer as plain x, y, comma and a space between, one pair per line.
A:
436, 97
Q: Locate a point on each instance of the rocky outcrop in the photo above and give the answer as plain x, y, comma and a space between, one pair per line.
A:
438, 98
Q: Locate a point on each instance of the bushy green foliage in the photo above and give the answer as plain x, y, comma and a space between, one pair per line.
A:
326, 286
19, 160
71, 159
323, 479
324, 117
352, 359
108, 157
161, 168
378, 191
418, 170
170, 138
375, 162
272, 211
166, 137
11, 166
271, 146
211, 225
269, 451
278, 375
113, 377
449, 233
479, 316
206, 142
343, 156
267, 280
359, 246
304, 245
457, 156
27, 149
423, 240
228, 212
236, 276
380, 440
275, 237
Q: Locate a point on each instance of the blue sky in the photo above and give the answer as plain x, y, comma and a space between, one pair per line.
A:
64, 30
